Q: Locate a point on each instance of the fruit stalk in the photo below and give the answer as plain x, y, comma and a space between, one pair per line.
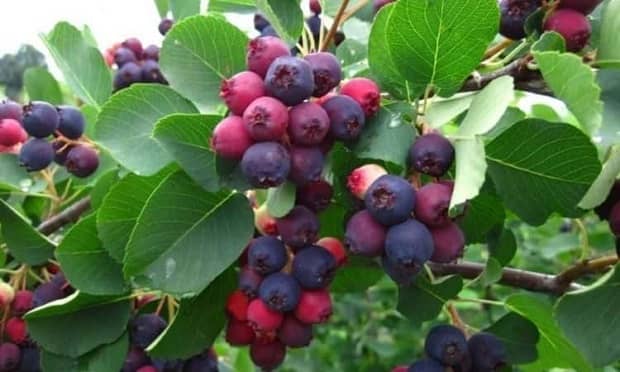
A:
334, 28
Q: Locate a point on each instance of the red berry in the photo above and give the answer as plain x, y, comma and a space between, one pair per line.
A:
262, 51
314, 306
361, 178
614, 219
147, 369
449, 242
264, 222
7, 293
237, 305
433, 201
315, 6
240, 90
134, 44
572, 25
335, 247
268, 356
266, 119
366, 92
365, 236
16, 331
308, 124
11, 132
294, 333
230, 139
583, 6
239, 333
10, 356
262, 318
22, 302
400, 369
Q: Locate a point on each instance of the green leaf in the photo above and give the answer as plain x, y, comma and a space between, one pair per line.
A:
78, 324
184, 8
484, 212
331, 221
41, 86
102, 187
232, 6
198, 53
609, 45
560, 352
204, 313
423, 300
471, 169
86, 264
357, 275
162, 7
440, 42
492, 272
185, 236
609, 81
573, 82
502, 245
82, 65
540, 167
550, 41
25, 243
187, 138
12, 176
126, 122
105, 358
285, 16
120, 209
281, 199
442, 110
519, 336
602, 185
387, 136
595, 336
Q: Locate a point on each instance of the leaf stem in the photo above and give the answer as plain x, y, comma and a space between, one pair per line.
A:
583, 236
480, 301
335, 25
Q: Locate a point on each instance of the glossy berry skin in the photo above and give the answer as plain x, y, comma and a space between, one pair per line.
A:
11, 110
326, 72
10, 356
315, 195
426, 365
446, 344
449, 243
408, 246
15, 329
144, 329
262, 51
582, 6
514, 13
365, 92
361, 178
614, 219
45, 293
237, 305
487, 352
260, 22
314, 267
40, 119
71, 124
267, 356
230, 140
165, 25
378, 4
306, 165
402, 276
294, 333
267, 255
315, 6
335, 248
346, 117
280, 292
30, 359
431, 154
262, 318
290, 80
308, 124
241, 90
123, 55
364, 236
266, 119
300, 227
390, 199
239, 333
249, 281
432, 203
22, 302
128, 74
11, 132
572, 25
135, 359
82, 161
314, 307
36, 154
151, 52
151, 72
134, 45
266, 164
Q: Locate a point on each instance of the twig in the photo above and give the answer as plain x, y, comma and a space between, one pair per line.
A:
565, 278
70, 214
456, 319
354, 9
497, 48
335, 25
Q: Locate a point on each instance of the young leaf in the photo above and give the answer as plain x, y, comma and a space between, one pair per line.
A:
423, 300
281, 199
285, 17
12, 176
487, 107
41, 86
603, 183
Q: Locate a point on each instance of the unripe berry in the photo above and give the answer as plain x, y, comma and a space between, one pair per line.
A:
314, 307
614, 219
262, 51
514, 13
316, 195
82, 161
449, 243
294, 333
266, 119
572, 25
268, 356
365, 236
36, 154
11, 132
432, 203
165, 25
16, 331
262, 318
241, 90
308, 124
230, 139
300, 227
335, 247
22, 302
10, 356
290, 80
431, 154
365, 92
45, 293
264, 222
346, 117
40, 119
582, 6
237, 305
315, 6
239, 333
326, 71
400, 369
266, 164
361, 178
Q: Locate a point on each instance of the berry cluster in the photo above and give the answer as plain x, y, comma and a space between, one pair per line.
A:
385, 227
134, 63
274, 128
40, 120
283, 292
568, 18
447, 347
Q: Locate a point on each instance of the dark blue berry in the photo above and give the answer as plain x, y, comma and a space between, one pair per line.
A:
71, 124
267, 255
401, 276
446, 344
204, 362
408, 246
36, 154
128, 74
294, 333
390, 199
346, 117
82, 161
326, 71
46, 292
290, 80
165, 25
136, 358
144, 329
314, 267
30, 359
266, 164
151, 72
123, 56
426, 365
280, 292
432, 154
514, 13
488, 353
40, 119
151, 52
300, 227
269, 31
260, 22
249, 281
61, 151
306, 165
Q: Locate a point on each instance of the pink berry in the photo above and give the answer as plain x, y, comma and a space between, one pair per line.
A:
314, 306
366, 92
361, 178
7, 293
572, 25
335, 247
16, 331
237, 305
449, 243
240, 90
147, 369
230, 138
264, 222
267, 356
614, 219
134, 44
11, 132
10, 356
400, 369
266, 119
365, 236
262, 318
239, 333
262, 51
433, 201
308, 124
582, 6
22, 302
315, 6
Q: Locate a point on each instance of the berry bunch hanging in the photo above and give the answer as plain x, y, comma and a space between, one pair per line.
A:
134, 63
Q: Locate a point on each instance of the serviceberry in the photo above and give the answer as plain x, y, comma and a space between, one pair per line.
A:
488, 353
267, 356
314, 267
40, 119
308, 124
306, 165
15, 329
237, 305
448, 241
294, 333
280, 292
30, 360
432, 203
401, 275
361, 178
45, 293
82, 161
262, 51
11, 110
123, 55
36, 154
71, 123
572, 25
249, 281
7, 294
390, 199
316, 195
315, 6
239, 333
446, 344
11, 132
431, 154
151, 52
346, 117
61, 150
266, 164
136, 358
165, 25
266, 119
145, 328
267, 255
408, 246
582, 6
241, 90
203, 362
262, 318
335, 247
365, 92
264, 222
134, 45
290, 80
326, 72
365, 236
514, 13
260, 22
426, 365
300, 227
314, 307
128, 74
614, 219
230, 139
10, 356
22, 302
151, 72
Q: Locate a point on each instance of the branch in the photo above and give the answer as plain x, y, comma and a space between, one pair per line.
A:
334, 28
525, 79
70, 214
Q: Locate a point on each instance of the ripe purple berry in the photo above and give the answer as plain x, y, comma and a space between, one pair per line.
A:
71, 124
408, 246
294, 333
308, 124
82, 161
165, 25
36, 154
241, 90
431, 154
346, 117
128, 74
61, 151
514, 13
266, 119
487, 352
306, 165
151, 72
10, 356
266, 164
144, 329
267, 255
11, 110
267, 356
326, 71
364, 235
390, 199
449, 243
40, 119
230, 140
314, 267
572, 25
446, 344
300, 227
315, 195
123, 56
136, 358
249, 281
290, 80
432, 203
260, 22
280, 292
151, 52
262, 51
134, 45
45, 293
